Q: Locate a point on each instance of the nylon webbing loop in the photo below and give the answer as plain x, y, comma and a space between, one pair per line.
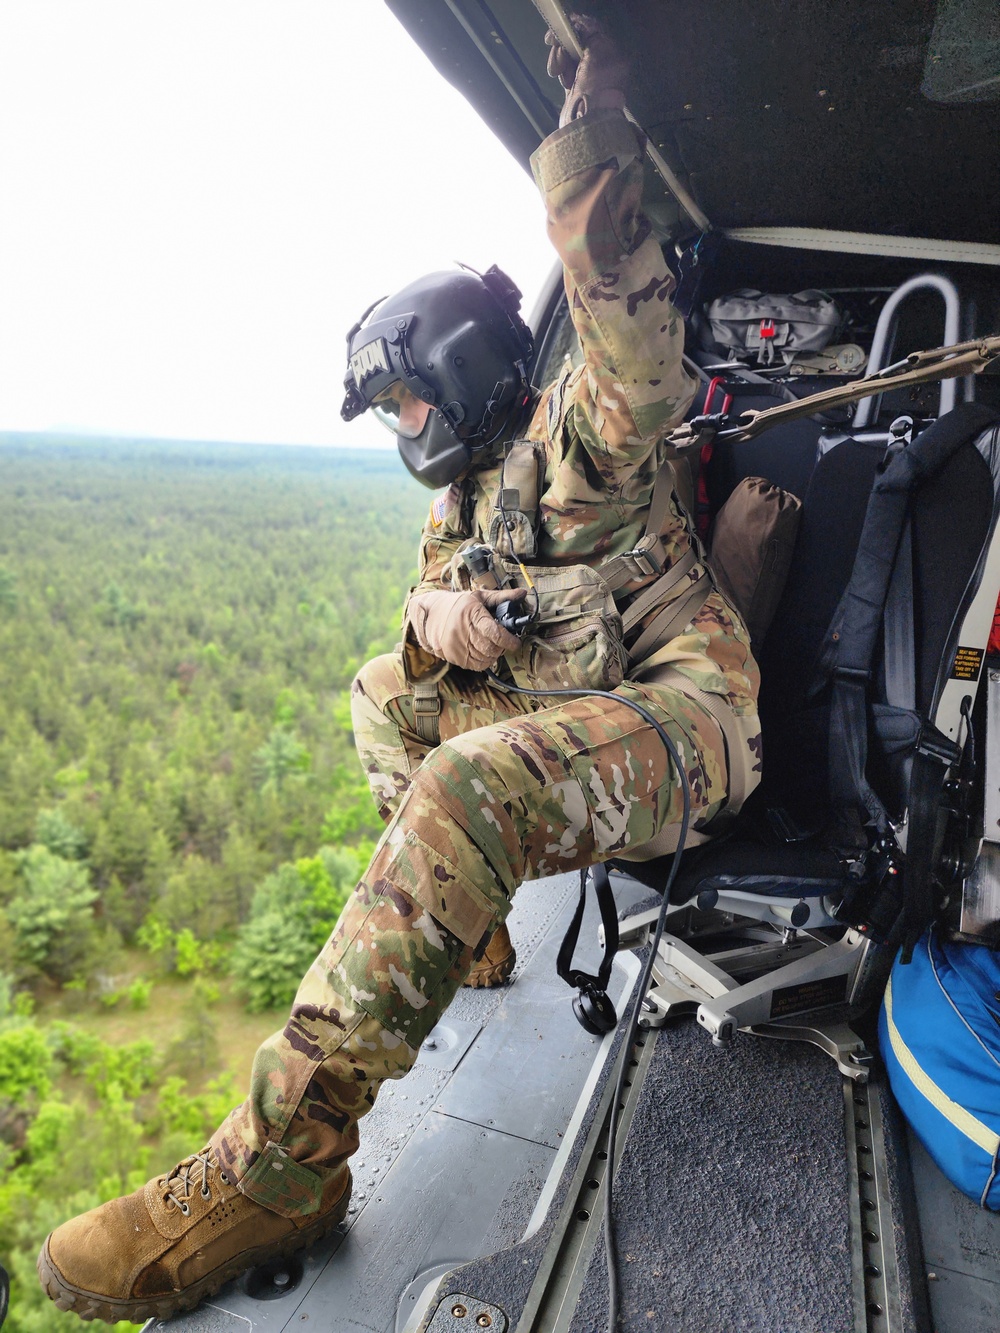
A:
427, 711
575, 977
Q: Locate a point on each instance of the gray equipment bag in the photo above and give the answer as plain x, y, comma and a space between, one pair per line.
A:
769, 330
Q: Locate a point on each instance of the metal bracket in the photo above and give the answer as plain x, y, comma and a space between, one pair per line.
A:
799, 987
755, 984
840, 1042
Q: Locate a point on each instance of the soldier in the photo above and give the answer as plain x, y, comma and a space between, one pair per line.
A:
560, 505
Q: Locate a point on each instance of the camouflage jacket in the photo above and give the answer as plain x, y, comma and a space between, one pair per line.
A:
601, 425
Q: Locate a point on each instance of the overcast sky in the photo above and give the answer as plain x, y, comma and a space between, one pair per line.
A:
199, 197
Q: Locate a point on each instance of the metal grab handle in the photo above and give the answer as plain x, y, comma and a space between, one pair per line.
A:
554, 14
885, 332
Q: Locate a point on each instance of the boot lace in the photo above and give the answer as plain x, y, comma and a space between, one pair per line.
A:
194, 1172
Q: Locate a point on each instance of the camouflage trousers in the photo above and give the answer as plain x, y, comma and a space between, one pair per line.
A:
515, 790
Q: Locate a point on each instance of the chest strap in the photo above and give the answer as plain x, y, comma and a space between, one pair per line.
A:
649, 555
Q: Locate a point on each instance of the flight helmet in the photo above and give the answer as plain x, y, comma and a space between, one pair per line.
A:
442, 363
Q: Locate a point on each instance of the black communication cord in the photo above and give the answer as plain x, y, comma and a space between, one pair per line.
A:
647, 971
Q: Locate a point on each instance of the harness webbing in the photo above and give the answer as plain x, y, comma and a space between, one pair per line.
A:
860, 621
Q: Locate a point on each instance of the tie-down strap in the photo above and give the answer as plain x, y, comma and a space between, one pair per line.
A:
941, 363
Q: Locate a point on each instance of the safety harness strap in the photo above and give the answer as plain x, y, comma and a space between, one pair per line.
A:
427, 711
649, 555
652, 596
609, 920
900, 650
671, 620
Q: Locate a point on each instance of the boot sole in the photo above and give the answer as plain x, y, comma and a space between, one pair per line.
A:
485, 978
491, 978
88, 1305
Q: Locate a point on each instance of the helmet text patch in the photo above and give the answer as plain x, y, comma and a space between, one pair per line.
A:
368, 359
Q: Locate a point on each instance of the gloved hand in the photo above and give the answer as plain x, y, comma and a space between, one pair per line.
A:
458, 627
597, 79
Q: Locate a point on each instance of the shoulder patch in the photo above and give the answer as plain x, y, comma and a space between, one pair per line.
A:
440, 506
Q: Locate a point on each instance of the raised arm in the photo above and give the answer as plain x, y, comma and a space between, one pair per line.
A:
617, 281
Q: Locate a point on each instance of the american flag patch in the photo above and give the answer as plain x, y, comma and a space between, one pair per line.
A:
439, 508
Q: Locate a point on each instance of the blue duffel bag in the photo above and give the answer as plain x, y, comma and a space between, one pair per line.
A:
939, 1030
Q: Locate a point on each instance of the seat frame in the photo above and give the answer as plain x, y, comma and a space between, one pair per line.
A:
784, 966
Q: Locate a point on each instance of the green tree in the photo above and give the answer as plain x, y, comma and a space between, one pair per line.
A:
293, 912
25, 1066
280, 758
8, 591
54, 831
51, 911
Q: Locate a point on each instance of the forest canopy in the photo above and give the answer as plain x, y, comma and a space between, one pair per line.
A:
181, 809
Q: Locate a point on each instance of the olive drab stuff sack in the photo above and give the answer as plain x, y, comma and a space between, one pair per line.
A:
752, 543
939, 1031
769, 330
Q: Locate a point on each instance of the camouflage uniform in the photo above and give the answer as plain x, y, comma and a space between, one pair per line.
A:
517, 788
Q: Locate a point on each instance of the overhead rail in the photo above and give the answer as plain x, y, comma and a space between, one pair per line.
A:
868, 243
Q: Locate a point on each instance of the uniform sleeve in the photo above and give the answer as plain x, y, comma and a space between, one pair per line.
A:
634, 385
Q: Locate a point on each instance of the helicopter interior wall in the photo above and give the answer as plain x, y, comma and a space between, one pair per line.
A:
774, 113
812, 115
860, 284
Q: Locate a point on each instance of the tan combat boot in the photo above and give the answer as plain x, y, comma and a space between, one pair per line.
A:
497, 963
171, 1244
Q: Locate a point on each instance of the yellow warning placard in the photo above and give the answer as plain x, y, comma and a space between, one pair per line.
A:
968, 662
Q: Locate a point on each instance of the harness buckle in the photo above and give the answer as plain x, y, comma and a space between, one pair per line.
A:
645, 557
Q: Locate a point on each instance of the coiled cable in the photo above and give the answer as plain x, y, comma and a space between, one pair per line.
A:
647, 971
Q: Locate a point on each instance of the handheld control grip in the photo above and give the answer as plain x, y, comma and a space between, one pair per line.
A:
514, 616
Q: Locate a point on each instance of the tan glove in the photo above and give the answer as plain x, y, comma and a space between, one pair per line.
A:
597, 80
458, 627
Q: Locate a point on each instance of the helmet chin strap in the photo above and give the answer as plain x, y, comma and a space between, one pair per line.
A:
523, 404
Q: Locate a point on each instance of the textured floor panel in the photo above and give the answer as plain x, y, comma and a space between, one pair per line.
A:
453, 1157
732, 1195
